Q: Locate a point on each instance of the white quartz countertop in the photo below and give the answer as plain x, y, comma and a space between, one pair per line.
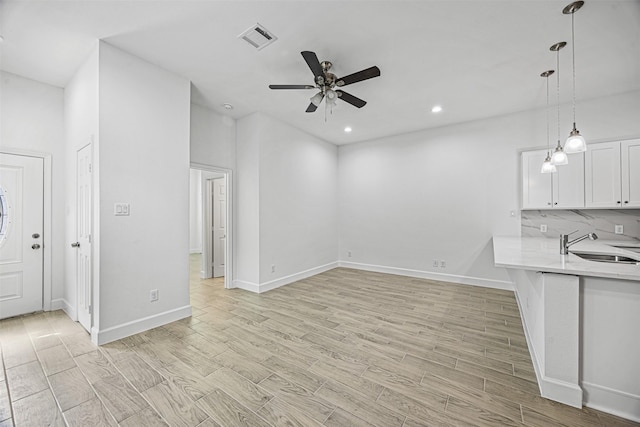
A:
543, 254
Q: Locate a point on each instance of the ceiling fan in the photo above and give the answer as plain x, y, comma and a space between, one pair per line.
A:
327, 81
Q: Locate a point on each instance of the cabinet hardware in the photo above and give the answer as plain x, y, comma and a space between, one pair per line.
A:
75, 245
35, 246
35, 235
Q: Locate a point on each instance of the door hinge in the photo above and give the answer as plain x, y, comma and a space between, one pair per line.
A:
89, 238
90, 309
90, 168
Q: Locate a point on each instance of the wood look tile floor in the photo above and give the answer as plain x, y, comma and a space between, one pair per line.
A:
344, 348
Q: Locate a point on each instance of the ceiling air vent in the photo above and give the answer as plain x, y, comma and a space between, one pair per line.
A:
258, 36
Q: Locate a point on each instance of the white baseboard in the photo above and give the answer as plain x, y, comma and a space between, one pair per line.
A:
267, 286
114, 333
63, 304
57, 304
421, 274
561, 391
615, 402
247, 286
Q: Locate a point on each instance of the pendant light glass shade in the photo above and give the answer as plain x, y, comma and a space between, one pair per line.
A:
547, 166
559, 156
575, 143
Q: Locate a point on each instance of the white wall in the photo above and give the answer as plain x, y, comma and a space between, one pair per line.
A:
195, 211
287, 203
31, 120
441, 194
298, 202
81, 128
144, 161
213, 138
247, 185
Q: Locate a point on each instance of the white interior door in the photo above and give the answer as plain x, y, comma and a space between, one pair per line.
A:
219, 226
21, 226
83, 242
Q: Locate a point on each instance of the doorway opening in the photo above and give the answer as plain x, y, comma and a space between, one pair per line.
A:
210, 228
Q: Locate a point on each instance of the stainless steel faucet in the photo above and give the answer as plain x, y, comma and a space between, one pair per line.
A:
565, 243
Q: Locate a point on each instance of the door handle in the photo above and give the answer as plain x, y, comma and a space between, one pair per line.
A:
35, 246
75, 245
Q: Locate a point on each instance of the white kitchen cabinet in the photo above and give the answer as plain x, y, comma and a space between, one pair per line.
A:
612, 174
561, 190
630, 171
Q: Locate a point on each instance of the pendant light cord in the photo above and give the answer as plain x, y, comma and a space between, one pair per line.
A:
547, 109
573, 64
558, 88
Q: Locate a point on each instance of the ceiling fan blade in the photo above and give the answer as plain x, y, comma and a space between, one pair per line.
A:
291, 87
369, 73
311, 108
353, 100
314, 64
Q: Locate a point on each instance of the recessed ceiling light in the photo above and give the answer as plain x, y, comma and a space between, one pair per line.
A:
436, 109
227, 106
347, 129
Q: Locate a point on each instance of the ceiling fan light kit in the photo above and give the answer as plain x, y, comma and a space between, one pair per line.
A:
327, 82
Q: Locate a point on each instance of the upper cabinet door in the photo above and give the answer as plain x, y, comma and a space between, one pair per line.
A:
603, 187
536, 186
630, 169
568, 184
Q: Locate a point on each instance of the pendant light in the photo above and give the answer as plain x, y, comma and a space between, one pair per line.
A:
559, 156
547, 166
575, 143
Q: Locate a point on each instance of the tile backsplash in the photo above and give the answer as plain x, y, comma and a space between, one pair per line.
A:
600, 221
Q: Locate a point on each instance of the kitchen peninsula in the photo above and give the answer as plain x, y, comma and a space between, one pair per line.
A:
580, 318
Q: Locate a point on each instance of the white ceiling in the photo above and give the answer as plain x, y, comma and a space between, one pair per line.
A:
476, 58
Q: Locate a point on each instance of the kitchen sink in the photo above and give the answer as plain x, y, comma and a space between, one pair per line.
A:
616, 259
629, 248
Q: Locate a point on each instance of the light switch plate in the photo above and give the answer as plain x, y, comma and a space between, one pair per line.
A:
619, 229
121, 209
543, 228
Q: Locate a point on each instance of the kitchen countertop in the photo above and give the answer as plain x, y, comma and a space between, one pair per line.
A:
543, 254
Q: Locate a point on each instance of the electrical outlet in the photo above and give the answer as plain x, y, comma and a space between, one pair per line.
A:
443, 264
435, 263
153, 295
273, 268
543, 228
619, 229
349, 254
